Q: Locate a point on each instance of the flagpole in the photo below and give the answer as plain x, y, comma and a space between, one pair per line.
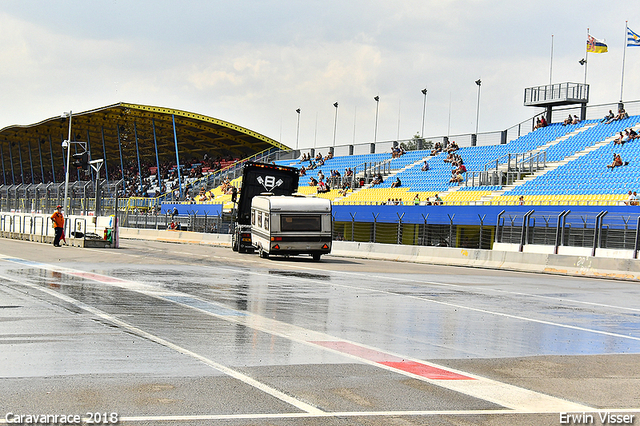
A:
551, 66
586, 57
624, 55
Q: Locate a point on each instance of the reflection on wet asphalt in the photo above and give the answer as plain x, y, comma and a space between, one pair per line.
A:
420, 319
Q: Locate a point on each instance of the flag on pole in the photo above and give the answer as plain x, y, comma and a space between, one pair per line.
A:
633, 39
595, 45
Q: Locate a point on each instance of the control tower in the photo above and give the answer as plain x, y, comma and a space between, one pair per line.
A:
561, 94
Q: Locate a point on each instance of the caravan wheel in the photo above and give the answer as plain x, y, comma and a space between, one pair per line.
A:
263, 254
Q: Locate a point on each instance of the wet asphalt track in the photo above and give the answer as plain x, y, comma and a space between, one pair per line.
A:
174, 334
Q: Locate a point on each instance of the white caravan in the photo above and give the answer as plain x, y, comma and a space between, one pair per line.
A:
291, 225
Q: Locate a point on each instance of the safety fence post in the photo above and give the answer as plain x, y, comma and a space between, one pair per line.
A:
499, 229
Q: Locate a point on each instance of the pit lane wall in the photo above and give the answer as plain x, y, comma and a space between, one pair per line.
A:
37, 227
607, 264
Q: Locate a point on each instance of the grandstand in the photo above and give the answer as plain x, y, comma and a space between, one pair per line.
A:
572, 170
575, 173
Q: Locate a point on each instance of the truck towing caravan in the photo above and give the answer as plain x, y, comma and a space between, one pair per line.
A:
259, 178
291, 225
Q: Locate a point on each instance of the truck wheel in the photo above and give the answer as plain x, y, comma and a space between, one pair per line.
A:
316, 257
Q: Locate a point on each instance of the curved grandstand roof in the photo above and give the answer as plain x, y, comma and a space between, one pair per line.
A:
113, 129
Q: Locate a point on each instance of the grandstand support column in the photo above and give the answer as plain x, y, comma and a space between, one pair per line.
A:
40, 142
175, 140
155, 144
548, 114
503, 137
20, 158
583, 111
104, 156
13, 178
120, 150
474, 139
350, 149
4, 176
89, 149
135, 134
53, 169
30, 158
372, 148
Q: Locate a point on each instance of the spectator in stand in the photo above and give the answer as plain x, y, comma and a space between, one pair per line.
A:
568, 120
377, 180
632, 134
322, 187
313, 182
608, 118
521, 200
437, 200
453, 147
345, 188
425, 166
543, 122
575, 120
416, 200
617, 162
397, 183
436, 149
632, 199
303, 171
456, 177
320, 175
619, 140
622, 114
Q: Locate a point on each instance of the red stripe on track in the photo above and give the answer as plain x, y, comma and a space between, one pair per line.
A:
413, 367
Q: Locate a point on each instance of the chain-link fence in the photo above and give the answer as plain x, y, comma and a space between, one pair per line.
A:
45, 197
194, 222
598, 229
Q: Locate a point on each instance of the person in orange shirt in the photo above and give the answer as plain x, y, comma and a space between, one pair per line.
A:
58, 223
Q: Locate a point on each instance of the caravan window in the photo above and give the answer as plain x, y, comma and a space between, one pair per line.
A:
260, 219
266, 222
290, 223
253, 217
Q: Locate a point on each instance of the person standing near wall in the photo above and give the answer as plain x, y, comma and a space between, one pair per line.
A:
58, 223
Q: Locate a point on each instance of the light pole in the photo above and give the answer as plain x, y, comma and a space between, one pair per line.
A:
67, 144
298, 128
424, 110
335, 124
478, 82
375, 131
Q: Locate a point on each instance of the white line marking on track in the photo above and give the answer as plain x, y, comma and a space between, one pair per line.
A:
449, 304
503, 394
139, 332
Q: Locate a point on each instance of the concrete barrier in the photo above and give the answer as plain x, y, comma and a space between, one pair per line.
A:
569, 265
171, 236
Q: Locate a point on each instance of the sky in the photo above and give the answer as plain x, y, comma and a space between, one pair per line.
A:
254, 63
